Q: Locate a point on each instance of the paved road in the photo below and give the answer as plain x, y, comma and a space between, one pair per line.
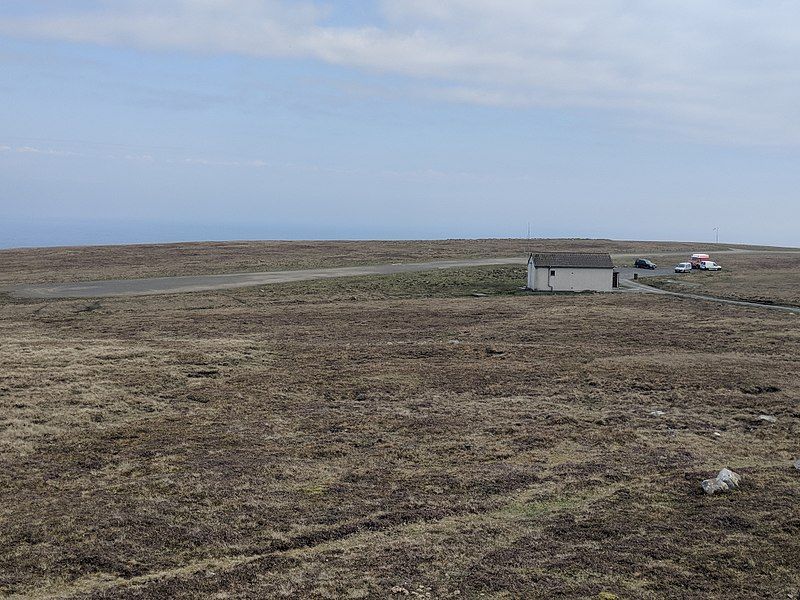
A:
627, 282
199, 283
642, 287
203, 283
627, 273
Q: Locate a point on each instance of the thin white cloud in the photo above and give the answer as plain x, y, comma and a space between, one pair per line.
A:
46, 151
210, 162
253, 163
724, 69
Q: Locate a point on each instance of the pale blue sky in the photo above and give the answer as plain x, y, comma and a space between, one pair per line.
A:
166, 120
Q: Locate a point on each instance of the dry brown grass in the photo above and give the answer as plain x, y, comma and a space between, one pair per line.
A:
340, 438
769, 278
155, 260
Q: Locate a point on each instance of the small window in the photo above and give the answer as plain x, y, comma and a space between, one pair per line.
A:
552, 273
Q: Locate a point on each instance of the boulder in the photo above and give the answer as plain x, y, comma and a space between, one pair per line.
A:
725, 481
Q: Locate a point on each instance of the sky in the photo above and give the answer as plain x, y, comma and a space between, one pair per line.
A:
163, 120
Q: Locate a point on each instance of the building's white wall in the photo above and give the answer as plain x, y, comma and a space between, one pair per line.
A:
570, 279
531, 274
540, 280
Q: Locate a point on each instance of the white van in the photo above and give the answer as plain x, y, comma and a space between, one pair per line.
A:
709, 265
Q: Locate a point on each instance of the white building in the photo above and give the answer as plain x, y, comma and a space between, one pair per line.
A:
570, 272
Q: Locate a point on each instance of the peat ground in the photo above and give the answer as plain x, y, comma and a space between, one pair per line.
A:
372, 437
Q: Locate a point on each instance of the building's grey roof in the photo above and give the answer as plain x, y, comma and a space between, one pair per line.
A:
579, 260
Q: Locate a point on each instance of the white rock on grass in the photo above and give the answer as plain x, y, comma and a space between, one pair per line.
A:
768, 418
797, 464
725, 481
400, 590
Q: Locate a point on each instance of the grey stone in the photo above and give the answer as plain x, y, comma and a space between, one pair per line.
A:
768, 418
400, 590
658, 413
725, 481
797, 464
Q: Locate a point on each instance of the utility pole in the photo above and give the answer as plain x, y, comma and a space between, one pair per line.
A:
529, 236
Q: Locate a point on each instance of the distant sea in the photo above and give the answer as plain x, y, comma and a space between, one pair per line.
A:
17, 233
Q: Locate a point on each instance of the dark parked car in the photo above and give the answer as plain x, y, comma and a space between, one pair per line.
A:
643, 263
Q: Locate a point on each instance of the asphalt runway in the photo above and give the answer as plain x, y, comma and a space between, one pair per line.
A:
202, 283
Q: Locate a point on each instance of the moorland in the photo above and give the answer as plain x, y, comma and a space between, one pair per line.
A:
433, 435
